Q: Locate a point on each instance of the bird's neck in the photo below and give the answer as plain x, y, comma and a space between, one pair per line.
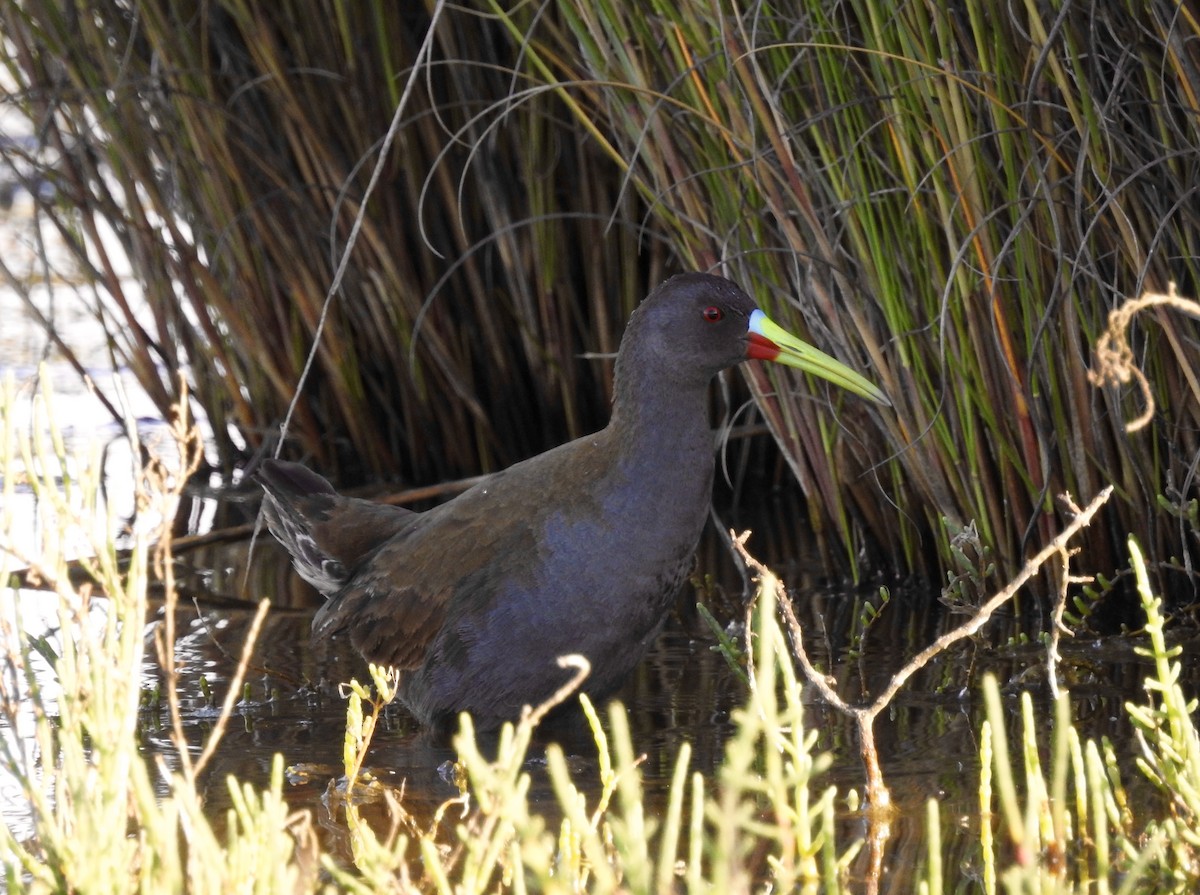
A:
662, 423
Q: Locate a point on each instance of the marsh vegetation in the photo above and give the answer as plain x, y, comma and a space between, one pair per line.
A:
380, 237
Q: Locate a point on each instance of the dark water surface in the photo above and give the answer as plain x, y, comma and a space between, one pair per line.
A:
684, 691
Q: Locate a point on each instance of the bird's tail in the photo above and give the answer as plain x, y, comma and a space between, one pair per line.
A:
297, 502
327, 534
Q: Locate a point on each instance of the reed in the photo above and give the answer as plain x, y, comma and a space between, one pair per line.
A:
952, 198
228, 148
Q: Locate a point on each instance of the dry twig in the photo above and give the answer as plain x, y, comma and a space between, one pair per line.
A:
864, 716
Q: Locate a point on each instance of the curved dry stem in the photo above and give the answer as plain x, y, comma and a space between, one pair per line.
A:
582, 668
1114, 358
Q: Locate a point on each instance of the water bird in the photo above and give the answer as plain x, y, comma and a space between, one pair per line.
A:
580, 549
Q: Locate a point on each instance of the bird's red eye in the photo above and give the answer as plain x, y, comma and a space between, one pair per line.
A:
712, 314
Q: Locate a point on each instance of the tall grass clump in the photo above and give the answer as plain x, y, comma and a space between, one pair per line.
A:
959, 195
224, 151
951, 197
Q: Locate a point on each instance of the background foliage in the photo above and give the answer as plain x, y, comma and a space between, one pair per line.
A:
952, 198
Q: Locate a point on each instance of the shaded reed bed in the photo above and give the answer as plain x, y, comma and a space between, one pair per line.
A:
952, 199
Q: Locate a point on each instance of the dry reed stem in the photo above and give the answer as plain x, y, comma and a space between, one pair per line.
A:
335, 285
877, 792
1057, 628
1114, 358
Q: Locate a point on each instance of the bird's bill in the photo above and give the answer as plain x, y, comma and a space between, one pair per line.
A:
770, 341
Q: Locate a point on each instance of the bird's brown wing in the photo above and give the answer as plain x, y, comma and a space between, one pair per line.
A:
388, 624
442, 566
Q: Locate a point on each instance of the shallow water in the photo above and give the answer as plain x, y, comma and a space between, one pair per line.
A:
683, 691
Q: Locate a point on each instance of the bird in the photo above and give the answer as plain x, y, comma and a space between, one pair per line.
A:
578, 550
